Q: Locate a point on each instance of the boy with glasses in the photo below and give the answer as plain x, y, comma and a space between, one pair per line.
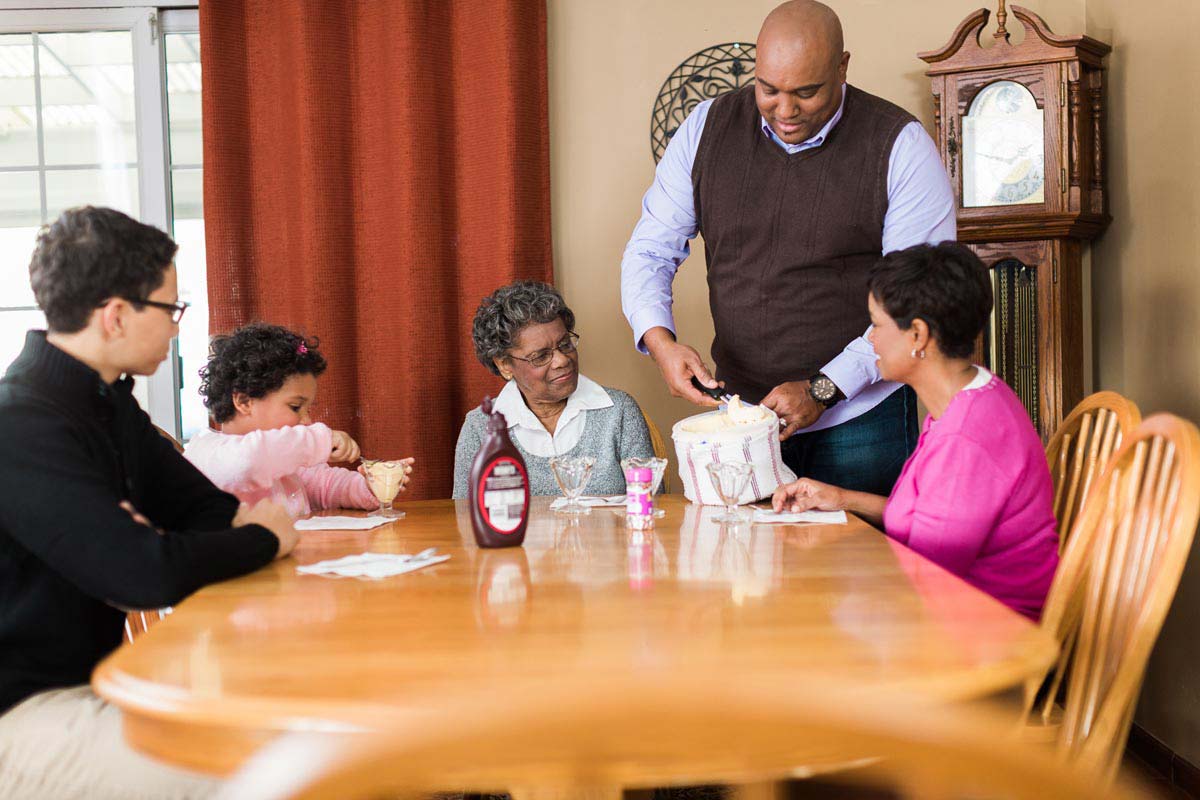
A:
100, 513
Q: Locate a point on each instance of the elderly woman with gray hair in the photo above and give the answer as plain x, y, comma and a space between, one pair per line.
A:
525, 333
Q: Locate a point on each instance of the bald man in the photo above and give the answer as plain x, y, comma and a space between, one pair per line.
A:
799, 183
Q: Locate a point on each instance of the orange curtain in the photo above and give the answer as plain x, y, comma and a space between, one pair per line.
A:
371, 171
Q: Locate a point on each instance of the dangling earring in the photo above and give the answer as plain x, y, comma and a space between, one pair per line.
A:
913, 353
921, 354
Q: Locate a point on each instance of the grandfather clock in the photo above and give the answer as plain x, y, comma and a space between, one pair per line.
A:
1021, 132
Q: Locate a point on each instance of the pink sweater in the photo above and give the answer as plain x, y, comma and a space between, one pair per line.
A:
285, 464
976, 498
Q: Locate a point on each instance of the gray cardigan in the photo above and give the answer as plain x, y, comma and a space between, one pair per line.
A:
609, 434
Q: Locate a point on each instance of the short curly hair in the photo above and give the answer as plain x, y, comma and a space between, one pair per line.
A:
254, 360
89, 255
945, 284
503, 314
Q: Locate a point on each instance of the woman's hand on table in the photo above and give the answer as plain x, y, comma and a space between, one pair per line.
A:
808, 495
275, 518
345, 449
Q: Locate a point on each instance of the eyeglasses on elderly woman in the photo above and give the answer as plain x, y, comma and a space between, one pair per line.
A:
543, 357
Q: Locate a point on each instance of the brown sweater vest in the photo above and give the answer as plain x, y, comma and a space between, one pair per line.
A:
789, 239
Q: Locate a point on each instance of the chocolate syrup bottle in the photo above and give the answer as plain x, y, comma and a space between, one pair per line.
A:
499, 490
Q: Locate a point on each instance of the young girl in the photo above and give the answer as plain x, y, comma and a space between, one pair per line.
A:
258, 385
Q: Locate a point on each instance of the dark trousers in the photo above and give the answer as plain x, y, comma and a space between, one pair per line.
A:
864, 454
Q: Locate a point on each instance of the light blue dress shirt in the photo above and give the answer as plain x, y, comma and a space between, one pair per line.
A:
920, 209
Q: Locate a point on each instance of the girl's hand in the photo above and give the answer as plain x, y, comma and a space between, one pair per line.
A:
408, 468
345, 449
805, 495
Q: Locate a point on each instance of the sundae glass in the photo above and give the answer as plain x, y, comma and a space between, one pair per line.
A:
571, 473
730, 479
385, 479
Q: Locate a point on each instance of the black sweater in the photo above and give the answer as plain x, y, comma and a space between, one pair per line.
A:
71, 449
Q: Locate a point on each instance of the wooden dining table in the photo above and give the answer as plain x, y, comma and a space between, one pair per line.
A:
244, 661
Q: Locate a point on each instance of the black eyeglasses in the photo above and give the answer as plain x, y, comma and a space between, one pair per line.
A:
175, 309
543, 357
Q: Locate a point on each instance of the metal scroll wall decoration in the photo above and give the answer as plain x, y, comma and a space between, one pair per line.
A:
707, 74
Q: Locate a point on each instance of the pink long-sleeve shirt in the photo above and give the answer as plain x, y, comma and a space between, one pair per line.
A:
284, 464
976, 497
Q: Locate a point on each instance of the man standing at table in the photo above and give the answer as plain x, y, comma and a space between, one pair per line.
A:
99, 511
798, 183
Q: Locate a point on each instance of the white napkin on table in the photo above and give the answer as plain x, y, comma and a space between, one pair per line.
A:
341, 523
787, 518
371, 565
613, 500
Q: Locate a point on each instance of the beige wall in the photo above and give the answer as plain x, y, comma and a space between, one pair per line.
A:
1146, 284
607, 60
609, 57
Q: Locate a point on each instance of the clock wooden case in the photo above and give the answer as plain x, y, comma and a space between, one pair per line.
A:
1020, 128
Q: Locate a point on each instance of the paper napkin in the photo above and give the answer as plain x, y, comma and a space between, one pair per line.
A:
371, 565
787, 518
340, 523
614, 500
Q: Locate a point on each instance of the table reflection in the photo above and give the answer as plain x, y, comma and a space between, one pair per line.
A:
748, 557
503, 588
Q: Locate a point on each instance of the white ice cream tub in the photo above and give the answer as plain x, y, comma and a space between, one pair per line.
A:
754, 443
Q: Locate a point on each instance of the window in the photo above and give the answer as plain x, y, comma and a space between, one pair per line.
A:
84, 102
182, 58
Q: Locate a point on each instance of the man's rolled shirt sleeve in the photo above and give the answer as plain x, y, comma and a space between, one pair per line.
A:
661, 239
855, 368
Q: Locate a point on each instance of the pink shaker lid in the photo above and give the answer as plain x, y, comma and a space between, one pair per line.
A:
638, 475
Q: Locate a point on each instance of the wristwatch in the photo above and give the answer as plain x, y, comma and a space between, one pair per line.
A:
824, 390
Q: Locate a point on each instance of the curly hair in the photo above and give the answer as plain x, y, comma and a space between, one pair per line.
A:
946, 285
505, 312
254, 360
89, 255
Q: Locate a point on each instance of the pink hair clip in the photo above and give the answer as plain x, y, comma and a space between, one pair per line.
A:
301, 348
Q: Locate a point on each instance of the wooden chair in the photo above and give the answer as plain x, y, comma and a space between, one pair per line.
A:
570, 736
138, 622
1077, 454
1113, 589
660, 447
174, 442
1080, 449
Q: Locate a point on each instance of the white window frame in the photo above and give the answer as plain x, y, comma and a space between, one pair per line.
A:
146, 24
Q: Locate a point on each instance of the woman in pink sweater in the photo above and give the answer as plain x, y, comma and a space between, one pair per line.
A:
259, 385
975, 496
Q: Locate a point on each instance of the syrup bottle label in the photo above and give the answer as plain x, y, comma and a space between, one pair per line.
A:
502, 500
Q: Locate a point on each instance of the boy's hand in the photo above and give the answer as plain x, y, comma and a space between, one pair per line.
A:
275, 518
137, 516
345, 449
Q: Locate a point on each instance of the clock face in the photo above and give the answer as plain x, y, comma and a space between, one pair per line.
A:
1004, 160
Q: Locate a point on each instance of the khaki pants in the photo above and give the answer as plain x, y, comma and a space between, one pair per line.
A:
66, 743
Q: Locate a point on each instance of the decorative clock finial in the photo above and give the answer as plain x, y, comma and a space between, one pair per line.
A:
1001, 18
